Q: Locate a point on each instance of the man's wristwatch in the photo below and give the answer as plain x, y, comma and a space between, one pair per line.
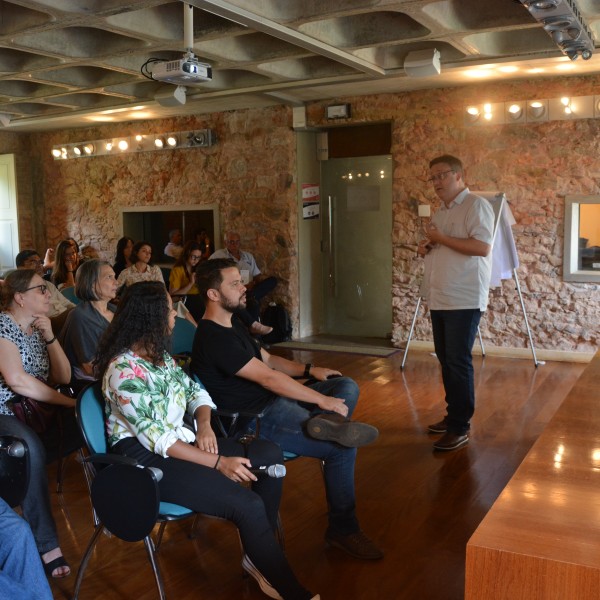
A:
307, 368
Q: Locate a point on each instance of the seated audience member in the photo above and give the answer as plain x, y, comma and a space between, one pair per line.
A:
21, 573
141, 268
96, 286
122, 258
65, 265
147, 396
182, 282
29, 356
257, 285
174, 248
182, 279
309, 420
201, 237
59, 305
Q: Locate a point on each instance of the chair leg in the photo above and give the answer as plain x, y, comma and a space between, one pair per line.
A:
192, 534
86, 559
152, 556
159, 535
279, 534
60, 467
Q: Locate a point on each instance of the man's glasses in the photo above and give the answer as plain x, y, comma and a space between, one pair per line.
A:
43, 288
439, 176
233, 242
33, 261
195, 256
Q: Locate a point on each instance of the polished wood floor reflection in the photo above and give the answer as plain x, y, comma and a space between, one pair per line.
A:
421, 507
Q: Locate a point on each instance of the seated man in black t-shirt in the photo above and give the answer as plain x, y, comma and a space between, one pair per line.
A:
306, 420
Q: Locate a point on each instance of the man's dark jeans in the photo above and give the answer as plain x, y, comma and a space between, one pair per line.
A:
454, 332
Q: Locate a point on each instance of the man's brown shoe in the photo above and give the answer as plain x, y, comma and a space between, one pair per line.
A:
440, 427
335, 428
451, 441
356, 544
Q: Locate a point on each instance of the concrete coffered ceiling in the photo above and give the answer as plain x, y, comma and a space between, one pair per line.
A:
72, 63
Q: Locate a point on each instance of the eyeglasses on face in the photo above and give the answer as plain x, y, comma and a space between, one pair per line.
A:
440, 176
34, 261
195, 256
43, 288
233, 242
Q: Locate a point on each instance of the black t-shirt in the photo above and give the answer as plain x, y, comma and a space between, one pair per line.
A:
218, 354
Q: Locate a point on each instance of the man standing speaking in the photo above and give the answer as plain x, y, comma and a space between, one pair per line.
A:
457, 251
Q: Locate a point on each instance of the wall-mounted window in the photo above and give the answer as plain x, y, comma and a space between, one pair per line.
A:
582, 239
153, 223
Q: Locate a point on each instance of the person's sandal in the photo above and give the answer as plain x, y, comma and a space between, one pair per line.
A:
57, 563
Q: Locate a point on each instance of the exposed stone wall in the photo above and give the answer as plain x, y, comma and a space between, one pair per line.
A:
537, 165
251, 174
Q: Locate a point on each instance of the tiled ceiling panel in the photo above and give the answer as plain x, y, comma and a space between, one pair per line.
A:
64, 62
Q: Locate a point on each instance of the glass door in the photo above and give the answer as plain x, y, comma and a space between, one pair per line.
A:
357, 245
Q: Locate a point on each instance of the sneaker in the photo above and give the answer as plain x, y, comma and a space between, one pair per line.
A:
335, 428
264, 585
451, 441
440, 427
356, 544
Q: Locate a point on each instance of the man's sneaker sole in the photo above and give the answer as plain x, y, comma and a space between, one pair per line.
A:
449, 447
346, 433
264, 585
435, 429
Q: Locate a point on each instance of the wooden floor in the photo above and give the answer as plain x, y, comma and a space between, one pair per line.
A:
421, 507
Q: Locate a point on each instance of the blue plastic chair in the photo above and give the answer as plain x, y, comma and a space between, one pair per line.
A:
107, 489
183, 336
69, 294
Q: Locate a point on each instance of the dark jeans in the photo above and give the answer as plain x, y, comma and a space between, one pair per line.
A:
254, 511
454, 332
21, 573
255, 295
283, 423
36, 504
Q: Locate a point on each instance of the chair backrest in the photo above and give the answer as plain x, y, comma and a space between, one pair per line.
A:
69, 294
183, 336
90, 416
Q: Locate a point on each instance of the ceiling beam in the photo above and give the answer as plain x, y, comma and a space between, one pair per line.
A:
258, 23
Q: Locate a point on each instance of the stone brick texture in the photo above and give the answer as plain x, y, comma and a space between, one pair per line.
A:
250, 173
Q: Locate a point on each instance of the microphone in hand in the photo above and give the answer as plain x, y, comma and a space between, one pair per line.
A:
276, 471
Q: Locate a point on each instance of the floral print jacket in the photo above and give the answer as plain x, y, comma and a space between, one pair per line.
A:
149, 402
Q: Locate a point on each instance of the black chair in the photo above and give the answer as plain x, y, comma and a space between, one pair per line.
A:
124, 494
14, 469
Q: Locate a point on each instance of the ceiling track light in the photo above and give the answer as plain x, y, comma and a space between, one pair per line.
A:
199, 138
563, 22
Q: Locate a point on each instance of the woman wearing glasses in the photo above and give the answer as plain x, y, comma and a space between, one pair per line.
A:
182, 279
29, 356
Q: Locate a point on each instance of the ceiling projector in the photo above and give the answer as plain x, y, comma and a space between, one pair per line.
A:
182, 71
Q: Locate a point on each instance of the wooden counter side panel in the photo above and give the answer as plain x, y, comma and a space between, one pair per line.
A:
497, 575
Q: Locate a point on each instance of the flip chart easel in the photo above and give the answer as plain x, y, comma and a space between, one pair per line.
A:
502, 242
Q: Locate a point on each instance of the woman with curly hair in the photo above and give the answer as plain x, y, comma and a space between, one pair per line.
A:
147, 396
65, 265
